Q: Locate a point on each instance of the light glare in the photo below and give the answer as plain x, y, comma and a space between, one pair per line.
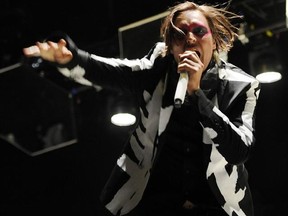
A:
123, 119
269, 77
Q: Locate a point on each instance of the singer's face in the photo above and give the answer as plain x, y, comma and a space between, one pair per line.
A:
197, 36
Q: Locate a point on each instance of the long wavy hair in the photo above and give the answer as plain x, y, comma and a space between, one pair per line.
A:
219, 21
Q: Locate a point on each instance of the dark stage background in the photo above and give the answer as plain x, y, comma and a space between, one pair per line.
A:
68, 180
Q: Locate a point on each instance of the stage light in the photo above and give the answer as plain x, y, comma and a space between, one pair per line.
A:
268, 68
265, 65
123, 110
123, 119
269, 77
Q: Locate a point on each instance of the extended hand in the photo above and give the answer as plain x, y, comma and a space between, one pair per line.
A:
50, 51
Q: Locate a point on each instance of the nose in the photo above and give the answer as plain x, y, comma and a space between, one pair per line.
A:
190, 38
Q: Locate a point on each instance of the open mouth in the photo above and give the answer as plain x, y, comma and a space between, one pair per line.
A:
198, 53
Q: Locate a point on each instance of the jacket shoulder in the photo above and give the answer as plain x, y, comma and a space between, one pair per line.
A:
231, 72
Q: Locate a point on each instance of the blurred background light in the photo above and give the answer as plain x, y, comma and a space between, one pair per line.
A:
265, 64
122, 109
123, 119
269, 77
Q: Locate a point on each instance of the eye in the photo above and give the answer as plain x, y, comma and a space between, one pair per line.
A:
200, 31
179, 34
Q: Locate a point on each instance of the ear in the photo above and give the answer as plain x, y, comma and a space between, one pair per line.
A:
214, 45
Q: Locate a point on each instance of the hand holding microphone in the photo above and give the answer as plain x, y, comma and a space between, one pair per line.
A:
191, 61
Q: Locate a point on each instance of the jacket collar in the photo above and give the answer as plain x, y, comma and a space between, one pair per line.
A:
210, 80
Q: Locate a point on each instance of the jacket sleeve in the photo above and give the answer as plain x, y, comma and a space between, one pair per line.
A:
231, 127
113, 73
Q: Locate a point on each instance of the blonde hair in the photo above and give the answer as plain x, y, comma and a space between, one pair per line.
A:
219, 21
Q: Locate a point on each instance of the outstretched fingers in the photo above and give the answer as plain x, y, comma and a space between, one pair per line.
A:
32, 51
50, 51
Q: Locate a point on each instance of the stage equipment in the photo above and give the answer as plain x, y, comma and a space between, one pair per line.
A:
38, 111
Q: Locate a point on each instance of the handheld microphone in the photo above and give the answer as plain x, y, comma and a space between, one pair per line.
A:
181, 89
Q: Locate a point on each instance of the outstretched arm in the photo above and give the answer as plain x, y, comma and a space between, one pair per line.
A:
50, 51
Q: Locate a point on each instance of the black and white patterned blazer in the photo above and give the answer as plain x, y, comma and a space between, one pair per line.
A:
226, 102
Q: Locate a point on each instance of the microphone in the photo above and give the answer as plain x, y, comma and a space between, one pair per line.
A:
181, 89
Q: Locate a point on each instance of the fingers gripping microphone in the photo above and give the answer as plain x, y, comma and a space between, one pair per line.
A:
181, 89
